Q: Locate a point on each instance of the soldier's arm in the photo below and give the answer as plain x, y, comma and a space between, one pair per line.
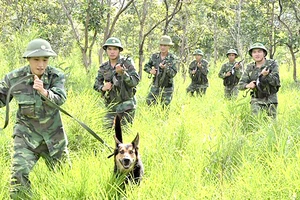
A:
204, 69
171, 69
131, 77
222, 72
57, 92
148, 66
273, 77
245, 79
4, 87
238, 72
99, 82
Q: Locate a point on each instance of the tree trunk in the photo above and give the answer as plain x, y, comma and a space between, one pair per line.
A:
239, 43
215, 39
290, 46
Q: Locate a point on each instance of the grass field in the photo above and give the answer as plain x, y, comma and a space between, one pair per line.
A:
203, 148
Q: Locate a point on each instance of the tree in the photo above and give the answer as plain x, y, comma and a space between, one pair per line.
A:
89, 14
142, 17
288, 17
110, 26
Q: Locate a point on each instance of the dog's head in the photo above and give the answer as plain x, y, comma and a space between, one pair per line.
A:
126, 155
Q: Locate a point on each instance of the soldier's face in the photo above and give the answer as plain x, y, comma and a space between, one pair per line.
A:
164, 48
231, 57
112, 52
198, 57
258, 55
38, 65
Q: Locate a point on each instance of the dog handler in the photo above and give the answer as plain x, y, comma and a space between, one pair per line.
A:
38, 131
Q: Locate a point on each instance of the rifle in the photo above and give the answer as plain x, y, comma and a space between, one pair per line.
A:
114, 80
196, 68
260, 76
233, 68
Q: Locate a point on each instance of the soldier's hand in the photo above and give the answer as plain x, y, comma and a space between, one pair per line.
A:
199, 64
153, 71
107, 86
194, 71
265, 72
119, 69
237, 65
39, 86
251, 85
227, 74
161, 65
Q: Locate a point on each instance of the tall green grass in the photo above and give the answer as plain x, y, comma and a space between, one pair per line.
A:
202, 148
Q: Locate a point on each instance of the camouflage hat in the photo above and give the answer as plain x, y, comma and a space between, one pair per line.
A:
198, 52
114, 42
233, 51
39, 48
257, 46
166, 40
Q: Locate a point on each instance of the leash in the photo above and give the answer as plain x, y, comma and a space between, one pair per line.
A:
54, 105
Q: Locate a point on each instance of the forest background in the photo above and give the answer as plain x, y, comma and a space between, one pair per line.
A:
206, 148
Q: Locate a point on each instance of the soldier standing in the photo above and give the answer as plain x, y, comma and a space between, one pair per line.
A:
116, 81
231, 73
38, 131
162, 66
262, 78
198, 71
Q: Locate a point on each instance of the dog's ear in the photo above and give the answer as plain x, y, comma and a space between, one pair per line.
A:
117, 141
136, 141
118, 130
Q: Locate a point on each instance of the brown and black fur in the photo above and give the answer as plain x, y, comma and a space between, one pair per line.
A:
126, 157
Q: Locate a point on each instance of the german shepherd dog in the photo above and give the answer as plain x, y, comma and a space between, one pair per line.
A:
126, 157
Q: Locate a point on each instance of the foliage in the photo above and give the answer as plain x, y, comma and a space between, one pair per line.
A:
203, 148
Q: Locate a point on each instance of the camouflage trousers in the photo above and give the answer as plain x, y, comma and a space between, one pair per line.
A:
270, 109
231, 92
23, 161
160, 95
199, 89
127, 117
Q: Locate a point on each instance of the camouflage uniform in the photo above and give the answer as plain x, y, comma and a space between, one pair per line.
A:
38, 130
230, 83
162, 84
120, 99
262, 97
199, 79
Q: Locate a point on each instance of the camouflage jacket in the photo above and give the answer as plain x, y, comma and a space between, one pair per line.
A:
200, 77
38, 120
270, 82
235, 76
124, 86
164, 77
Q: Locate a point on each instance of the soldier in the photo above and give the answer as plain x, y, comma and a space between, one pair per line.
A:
231, 73
38, 130
198, 71
116, 81
262, 78
162, 66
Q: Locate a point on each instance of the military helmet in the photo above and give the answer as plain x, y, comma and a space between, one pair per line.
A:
166, 40
257, 46
233, 51
114, 42
198, 52
39, 48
